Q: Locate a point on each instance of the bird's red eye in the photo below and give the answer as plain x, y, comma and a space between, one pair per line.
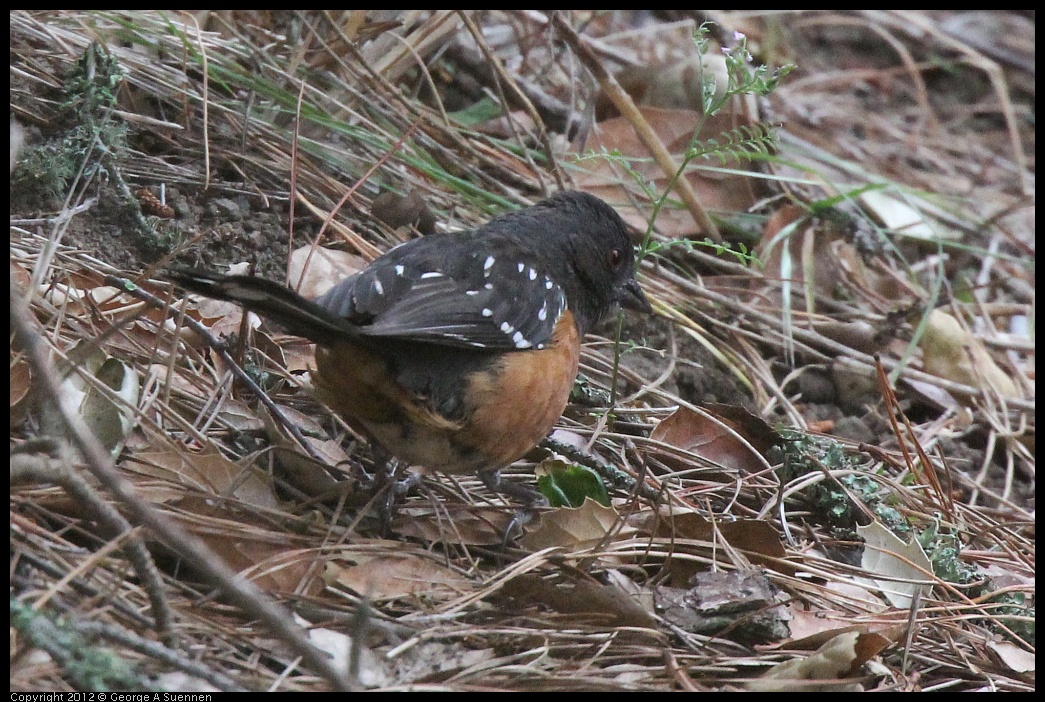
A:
615, 258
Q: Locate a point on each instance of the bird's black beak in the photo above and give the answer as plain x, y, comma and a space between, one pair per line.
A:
630, 296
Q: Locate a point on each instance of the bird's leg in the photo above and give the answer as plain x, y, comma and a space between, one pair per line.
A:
530, 498
387, 486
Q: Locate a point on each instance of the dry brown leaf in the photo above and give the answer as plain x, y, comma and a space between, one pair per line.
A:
470, 526
711, 437
812, 629
277, 562
208, 472
858, 335
675, 85
330, 450
306, 422
755, 430
716, 191
84, 292
399, 211
313, 270
757, 539
606, 605
21, 381
572, 529
222, 318
303, 472
392, 577
231, 412
300, 356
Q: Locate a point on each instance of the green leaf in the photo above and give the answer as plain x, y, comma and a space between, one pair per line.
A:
567, 485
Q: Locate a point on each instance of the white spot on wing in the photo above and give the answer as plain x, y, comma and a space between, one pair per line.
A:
487, 312
533, 274
507, 328
488, 264
521, 266
431, 274
399, 269
520, 341
543, 314
378, 288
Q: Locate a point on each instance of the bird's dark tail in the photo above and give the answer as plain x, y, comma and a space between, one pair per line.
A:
275, 302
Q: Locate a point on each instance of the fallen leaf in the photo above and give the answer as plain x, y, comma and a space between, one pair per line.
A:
716, 190
839, 658
1014, 657
952, 353
573, 529
463, 525
740, 605
436, 659
605, 605
207, 471
403, 211
905, 568
711, 437
392, 577
21, 381
276, 561
313, 270
898, 216
568, 485
757, 539
812, 629
677, 85
109, 413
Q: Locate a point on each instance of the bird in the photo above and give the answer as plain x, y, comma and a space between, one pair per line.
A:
457, 351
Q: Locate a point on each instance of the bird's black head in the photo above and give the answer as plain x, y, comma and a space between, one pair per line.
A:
591, 255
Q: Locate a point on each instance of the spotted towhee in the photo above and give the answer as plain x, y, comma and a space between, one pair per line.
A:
458, 351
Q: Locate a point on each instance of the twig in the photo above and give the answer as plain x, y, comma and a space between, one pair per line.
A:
38, 468
243, 593
222, 350
623, 102
504, 82
175, 659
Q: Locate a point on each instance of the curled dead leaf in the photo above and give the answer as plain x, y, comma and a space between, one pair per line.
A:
839, 658
102, 390
952, 353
